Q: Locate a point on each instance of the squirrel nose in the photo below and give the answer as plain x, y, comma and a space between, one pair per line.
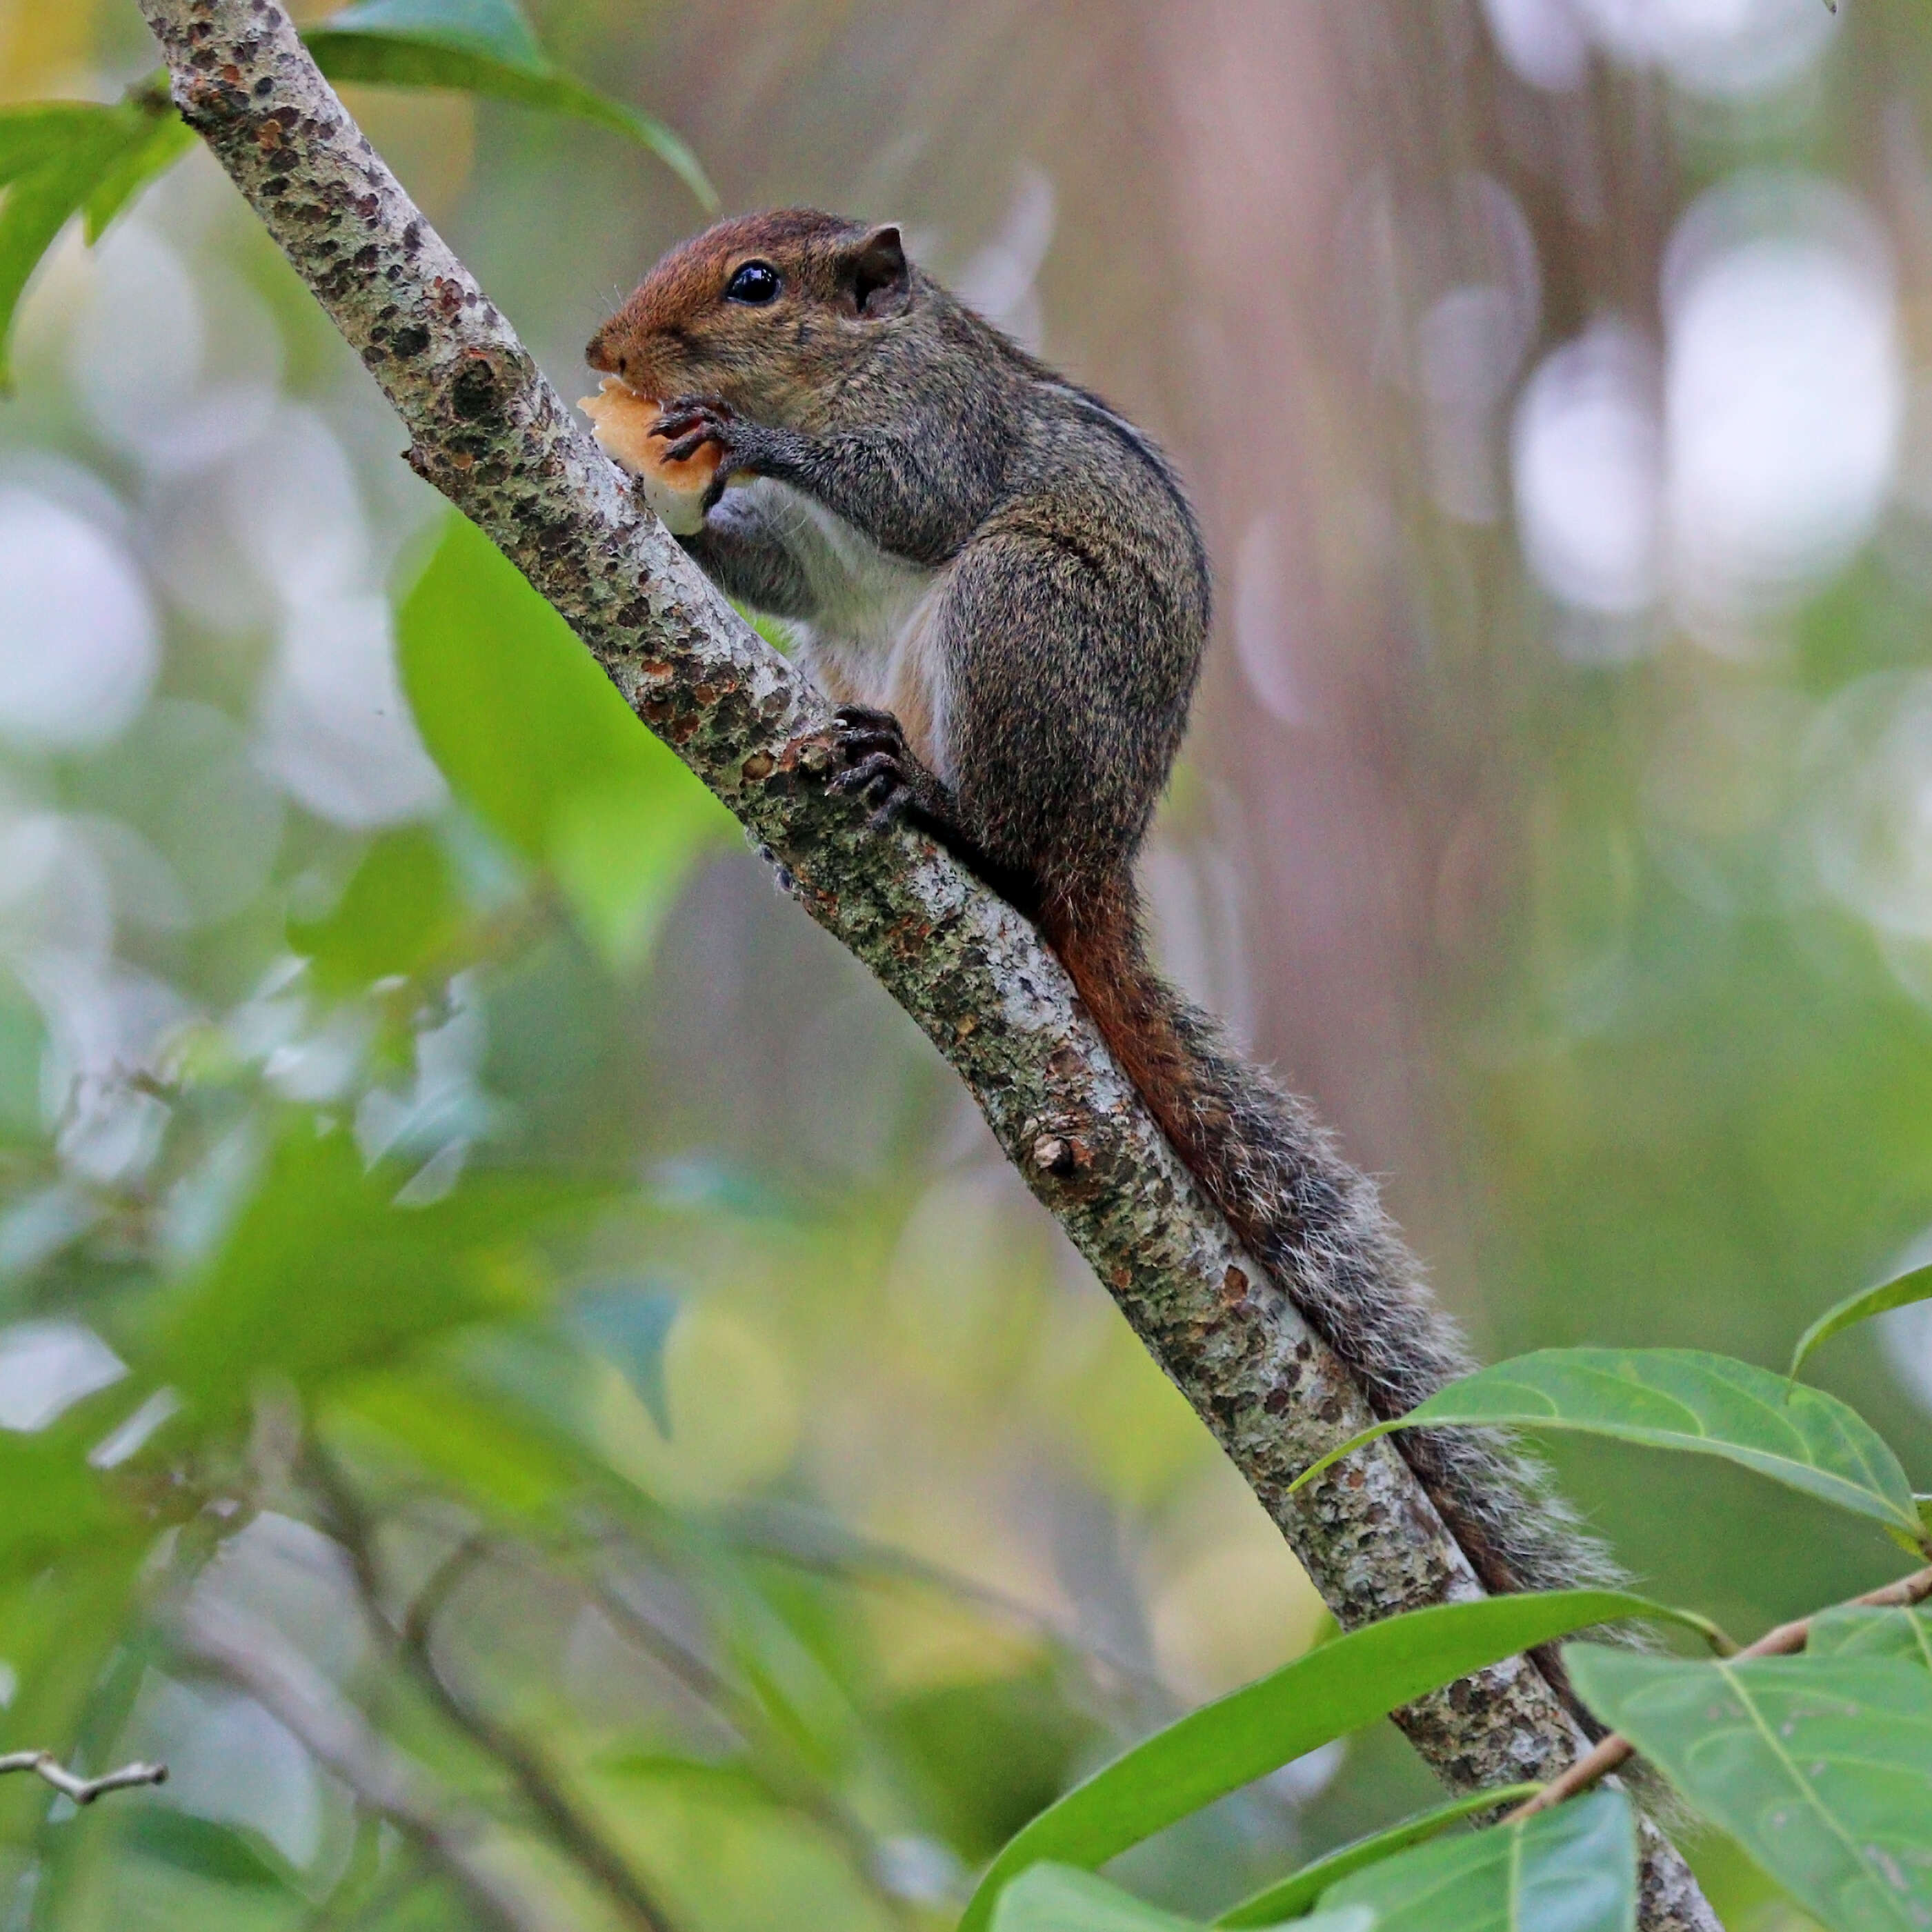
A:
598, 356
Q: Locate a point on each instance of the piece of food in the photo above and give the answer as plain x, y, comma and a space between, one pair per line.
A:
623, 420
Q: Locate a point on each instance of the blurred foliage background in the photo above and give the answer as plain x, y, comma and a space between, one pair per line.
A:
486, 1290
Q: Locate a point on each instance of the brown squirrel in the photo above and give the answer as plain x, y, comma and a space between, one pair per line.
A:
1000, 582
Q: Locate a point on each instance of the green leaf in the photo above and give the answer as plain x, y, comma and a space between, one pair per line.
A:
230, 1854
1291, 1896
1863, 1630
51, 164
495, 29
1573, 1868
140, 164
1915, 1285
497, 1454
400, 913
322, 1272
1329, 1693
1820, 1767
41, 132
1680, 1399
630, 1326
55, 1501
1057, 1898
63, 1623
483, 47
59, 157
535, 739
986, 1755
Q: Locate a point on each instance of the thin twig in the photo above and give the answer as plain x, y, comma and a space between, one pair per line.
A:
82, 1790
574, 1827
1784, 1641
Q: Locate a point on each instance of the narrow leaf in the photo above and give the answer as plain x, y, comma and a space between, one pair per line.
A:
230, 1854
1057, 1898
37, 208
483, 47
497, 29
1573, 1868
1820, 1767
33, 135
46, 185
1915, 1285
1330, 1692
1291, 1896
1685, 1400
143, 162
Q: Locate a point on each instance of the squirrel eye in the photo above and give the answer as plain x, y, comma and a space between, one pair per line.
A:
756, 282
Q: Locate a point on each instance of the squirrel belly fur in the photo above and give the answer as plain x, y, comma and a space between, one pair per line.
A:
1000, 582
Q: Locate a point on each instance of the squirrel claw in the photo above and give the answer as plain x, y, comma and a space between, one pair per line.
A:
874, 763
855, 745
690, 423
889, 814
861, 730
876, 771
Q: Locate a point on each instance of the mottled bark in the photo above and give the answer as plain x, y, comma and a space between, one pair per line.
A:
491, 434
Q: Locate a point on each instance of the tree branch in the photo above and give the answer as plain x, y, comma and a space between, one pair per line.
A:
491, 434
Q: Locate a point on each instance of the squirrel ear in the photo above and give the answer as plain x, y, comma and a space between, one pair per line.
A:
880, 275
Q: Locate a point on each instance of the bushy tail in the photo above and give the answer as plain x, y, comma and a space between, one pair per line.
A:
1318, 1227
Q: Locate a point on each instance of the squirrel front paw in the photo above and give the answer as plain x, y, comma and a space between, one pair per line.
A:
688, 423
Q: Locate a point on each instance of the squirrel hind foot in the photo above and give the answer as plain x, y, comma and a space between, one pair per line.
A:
875, 764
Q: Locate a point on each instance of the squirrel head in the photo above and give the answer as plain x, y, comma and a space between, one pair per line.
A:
766, 312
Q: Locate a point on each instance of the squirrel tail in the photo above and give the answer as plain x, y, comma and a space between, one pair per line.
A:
1318, 1228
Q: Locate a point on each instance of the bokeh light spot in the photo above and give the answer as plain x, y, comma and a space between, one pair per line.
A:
1783, 391
79, 643
1587, 460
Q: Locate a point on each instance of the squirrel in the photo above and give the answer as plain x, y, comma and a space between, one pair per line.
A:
999, 582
